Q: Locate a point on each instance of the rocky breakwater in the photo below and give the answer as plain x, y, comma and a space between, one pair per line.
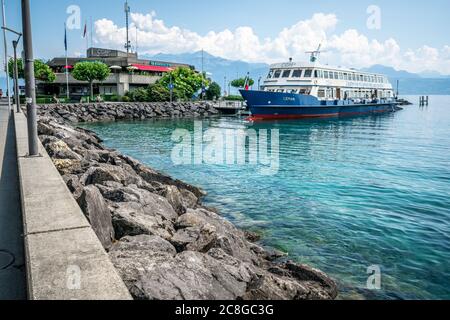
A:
162, 240
95, 112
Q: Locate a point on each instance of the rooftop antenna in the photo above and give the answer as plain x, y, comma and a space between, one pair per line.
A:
127, 15
315, 54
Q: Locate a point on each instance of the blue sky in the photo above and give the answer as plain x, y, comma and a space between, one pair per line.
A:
418, 28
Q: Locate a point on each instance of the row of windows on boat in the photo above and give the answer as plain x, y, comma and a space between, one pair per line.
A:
332, 93
322, 74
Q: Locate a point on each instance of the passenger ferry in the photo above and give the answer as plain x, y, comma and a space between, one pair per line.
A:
312, 90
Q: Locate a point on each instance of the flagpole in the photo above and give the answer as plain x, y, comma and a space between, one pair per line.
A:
247, 82
67, 78
86, 36
92, 34
67, 64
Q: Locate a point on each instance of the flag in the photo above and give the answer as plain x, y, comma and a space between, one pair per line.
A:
65, 37
85, 30
247, 82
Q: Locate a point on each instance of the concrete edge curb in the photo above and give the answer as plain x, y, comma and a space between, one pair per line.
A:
64, 258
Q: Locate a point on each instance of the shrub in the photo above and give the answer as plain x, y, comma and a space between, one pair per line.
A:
111, 98
234, 98
126, 99
214, 91
138, 95
159, 93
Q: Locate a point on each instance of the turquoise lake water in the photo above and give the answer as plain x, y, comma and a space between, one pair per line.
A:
349, 193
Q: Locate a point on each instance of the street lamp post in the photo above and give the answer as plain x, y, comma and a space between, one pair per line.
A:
225, 86
16, 70
30, 85
16, 78
171, 88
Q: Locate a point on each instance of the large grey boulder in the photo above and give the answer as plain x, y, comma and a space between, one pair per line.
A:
152, 203
58, 149
138, 211
106, 172
132, 255
228, 237
281, 284
73, 183
200, 239
320, 285
115, 192
175, 198
98, 214
190, 200
44, 129
150, 214
153, 272
151, 176
68, 166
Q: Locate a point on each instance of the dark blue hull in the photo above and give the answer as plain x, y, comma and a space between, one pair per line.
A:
276, 105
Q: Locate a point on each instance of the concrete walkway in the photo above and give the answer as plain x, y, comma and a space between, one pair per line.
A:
12, 266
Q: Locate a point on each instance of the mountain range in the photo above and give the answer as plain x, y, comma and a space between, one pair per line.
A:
426, 83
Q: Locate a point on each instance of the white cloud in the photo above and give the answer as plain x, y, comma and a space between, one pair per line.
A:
155, 37
350, 48
355, 49
446, 52
427, 58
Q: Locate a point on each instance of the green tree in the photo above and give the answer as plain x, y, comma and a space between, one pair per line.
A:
186, 82
42, 71
90, 71
240, 83
214, 91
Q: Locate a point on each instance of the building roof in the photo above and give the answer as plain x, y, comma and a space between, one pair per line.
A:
118, 58
142, 67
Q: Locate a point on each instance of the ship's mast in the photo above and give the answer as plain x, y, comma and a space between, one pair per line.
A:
315, 54
127, 15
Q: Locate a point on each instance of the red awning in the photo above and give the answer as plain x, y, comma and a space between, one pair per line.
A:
143, 67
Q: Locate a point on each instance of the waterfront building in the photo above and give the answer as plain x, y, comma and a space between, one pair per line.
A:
128, 72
